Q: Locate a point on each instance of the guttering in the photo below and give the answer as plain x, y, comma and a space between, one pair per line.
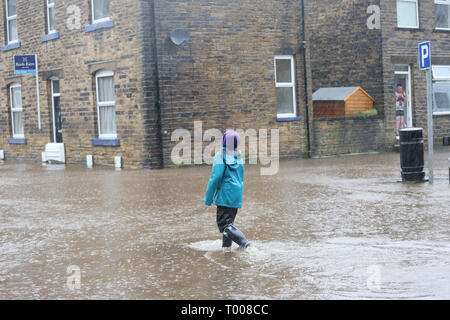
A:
305, 81
157, 87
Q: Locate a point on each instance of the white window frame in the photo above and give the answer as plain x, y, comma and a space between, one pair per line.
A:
436, 79
287, 85
11, 87
54, 95
94, 21
49, 6
104, 74
409, 104
434, 68
8, 19
417, 15
444, 2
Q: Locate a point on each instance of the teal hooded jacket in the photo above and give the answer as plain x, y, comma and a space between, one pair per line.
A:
226, 185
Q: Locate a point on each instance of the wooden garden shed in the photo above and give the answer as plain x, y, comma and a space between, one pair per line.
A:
341, 102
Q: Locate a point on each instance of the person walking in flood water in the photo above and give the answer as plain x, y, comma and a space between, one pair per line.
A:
225, 189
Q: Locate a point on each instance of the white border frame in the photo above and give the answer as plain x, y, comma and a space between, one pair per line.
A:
9, 18
443, 2
437, 113
94, 21
408, 74
434, 67
49, 6
104, 74
417, 15
11, 87
287, 85
53, 95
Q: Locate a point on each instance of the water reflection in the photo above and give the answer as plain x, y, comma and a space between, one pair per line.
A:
318, 227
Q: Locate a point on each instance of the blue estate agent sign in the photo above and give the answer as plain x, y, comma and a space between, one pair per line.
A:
425, 55
25, 64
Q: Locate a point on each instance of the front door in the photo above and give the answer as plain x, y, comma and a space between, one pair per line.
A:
403, 77
56, 106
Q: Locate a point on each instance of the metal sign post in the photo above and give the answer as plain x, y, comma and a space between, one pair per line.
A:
37, 93
425, 64
430, 127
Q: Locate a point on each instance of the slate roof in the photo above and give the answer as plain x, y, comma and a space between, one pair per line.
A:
333, 94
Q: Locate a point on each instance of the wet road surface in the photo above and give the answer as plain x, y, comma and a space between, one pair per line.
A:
335, 228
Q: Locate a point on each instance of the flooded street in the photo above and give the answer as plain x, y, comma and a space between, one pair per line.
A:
335, 228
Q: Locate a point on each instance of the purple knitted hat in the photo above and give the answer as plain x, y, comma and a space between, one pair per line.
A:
231, 137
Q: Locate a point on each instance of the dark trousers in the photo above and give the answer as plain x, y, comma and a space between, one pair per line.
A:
225, 217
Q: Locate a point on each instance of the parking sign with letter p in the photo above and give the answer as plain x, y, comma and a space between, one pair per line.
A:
425, 55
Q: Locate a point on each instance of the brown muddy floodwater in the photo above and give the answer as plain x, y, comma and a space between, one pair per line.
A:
336, 228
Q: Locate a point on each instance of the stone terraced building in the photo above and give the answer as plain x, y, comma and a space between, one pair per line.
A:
112, 81
374, 44
119, 78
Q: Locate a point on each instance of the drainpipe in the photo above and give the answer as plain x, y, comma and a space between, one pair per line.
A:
157, 87
305, 80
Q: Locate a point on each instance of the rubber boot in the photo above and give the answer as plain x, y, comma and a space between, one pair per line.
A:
226, 242
236, 235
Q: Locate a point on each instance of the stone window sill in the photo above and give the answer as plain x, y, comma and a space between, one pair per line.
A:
11, 46
441, 30
289, 119
50, 36
441, 114
100, 25
97, 142
17, 141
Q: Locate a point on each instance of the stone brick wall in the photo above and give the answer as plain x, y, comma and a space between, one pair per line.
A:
400, 46
344, 51
224, 75
75, 57
333, 136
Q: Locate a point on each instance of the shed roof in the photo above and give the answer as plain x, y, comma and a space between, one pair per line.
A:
336, 94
